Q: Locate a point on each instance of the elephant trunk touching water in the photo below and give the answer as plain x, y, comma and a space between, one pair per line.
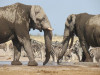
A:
42, 23
68, 35
87, 28
48, 42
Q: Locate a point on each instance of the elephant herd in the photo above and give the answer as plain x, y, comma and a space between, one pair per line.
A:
17, 19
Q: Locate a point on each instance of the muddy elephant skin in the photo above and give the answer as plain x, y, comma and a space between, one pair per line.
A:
87, 28
15, 22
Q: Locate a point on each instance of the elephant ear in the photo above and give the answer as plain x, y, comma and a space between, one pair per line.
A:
39, 12
32, 14
71, 21
73, 16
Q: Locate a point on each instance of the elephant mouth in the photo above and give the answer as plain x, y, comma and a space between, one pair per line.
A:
50, 29
40, 28
47, 28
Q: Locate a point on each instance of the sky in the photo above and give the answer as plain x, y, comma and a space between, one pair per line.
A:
58, 10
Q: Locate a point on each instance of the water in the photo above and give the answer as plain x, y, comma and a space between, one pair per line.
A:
54, 63
26, 62
39, 63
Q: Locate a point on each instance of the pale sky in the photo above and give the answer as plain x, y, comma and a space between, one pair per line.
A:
58, 10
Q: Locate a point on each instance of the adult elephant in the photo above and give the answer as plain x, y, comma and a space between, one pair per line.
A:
15, 22
87, 28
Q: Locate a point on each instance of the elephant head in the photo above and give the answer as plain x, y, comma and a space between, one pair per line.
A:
68, 34
40, 21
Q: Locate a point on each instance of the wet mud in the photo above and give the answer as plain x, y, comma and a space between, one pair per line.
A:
50, 69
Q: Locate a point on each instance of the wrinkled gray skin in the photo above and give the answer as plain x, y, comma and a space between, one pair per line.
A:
37, 47
87, 28
15, 22
75, 49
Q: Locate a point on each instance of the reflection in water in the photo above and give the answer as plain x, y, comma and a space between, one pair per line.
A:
39, 63
26, 62
5, 62
55, 64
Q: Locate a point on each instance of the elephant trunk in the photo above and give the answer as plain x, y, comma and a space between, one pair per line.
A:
65, 44
71, 43
48, 42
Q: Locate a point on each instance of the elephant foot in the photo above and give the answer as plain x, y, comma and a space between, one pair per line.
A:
16, 63
46, 61
32, 63
58, 62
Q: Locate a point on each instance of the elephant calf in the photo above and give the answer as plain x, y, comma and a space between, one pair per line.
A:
16, 20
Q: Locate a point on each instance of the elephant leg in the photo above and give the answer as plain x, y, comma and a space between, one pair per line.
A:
27, 47
17, 52
85, 48
22, 34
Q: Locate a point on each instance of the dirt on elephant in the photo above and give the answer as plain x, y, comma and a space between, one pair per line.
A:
48, 70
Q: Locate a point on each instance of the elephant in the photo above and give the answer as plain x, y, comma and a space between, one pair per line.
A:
16, 20
37, 48
87, 28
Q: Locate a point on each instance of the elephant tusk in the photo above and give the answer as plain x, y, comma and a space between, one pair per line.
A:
50, 29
